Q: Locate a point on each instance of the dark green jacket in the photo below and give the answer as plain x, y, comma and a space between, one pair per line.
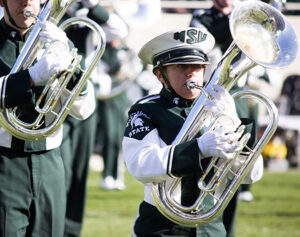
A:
155, 121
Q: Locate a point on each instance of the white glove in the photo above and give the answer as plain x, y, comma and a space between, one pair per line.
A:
48, 65
221, 102
50, 32
222, 142
90, 3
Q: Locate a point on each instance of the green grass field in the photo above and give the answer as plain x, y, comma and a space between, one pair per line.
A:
275, 212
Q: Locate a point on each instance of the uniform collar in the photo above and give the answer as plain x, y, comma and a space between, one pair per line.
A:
174, 98
10, 32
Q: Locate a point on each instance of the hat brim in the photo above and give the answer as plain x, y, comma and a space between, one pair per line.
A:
187, 60
180, 56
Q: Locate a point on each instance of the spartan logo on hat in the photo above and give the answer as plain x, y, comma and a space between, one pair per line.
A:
191, 36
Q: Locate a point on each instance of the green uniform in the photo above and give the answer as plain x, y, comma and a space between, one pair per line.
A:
32, 188
153, 124
32, 192
111, 118
79, 138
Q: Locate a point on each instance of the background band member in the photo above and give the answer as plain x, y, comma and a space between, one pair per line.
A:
79, 136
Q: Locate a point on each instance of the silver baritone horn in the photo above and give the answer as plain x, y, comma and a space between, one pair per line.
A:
262, 36
53, 10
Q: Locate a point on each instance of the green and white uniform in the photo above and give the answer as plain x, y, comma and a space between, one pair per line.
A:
153, 124
32, 192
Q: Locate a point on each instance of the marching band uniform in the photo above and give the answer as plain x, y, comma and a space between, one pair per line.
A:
157, 119
32, 192
79, 135
112, 117
216, 23
153, 123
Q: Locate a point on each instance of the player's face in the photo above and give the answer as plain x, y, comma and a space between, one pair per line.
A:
179, 74
16, 9
225, 6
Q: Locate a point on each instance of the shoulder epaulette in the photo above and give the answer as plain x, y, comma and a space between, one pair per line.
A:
148, 98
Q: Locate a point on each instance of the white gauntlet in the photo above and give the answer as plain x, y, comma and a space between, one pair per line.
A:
221, 102
49, 64
50, 32
222, 142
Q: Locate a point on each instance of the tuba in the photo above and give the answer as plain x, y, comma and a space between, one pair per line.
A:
261, 36
52, 10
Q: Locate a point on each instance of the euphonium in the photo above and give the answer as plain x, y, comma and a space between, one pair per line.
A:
53, 10
129, 70
261, 36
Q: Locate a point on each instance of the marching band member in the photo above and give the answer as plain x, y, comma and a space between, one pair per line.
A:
154, 121
112, 111
32, 192
79, 136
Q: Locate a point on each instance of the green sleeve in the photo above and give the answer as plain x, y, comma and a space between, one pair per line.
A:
18, 89
185, 160
99, 14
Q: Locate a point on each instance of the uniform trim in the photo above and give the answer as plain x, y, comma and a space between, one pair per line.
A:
55, 139
148, 98
170, 161
2, 90
133, 234
5, 138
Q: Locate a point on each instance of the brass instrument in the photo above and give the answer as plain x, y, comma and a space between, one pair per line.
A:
130, 65
53, 10
130, 68
261, 36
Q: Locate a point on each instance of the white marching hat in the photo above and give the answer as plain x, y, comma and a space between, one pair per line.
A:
186, 46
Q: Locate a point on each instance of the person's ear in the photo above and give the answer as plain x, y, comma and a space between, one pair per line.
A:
159, 76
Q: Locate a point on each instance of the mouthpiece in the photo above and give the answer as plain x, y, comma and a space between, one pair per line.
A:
191, 85
28, 14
